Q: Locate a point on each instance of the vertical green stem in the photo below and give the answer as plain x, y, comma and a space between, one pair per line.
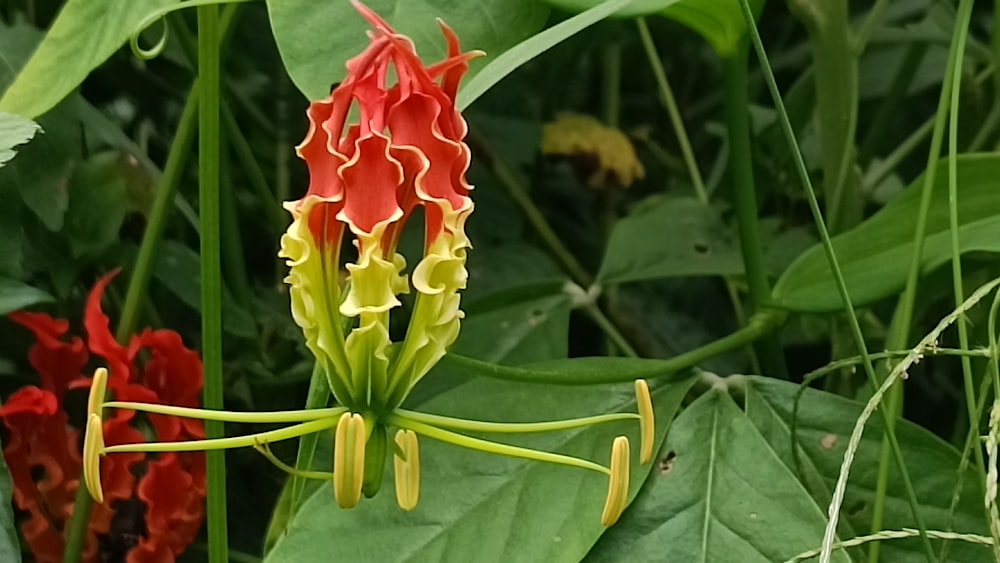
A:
836, 77
211, 272
768, 348
76, 531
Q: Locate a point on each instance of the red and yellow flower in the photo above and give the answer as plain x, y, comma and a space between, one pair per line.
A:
388, 140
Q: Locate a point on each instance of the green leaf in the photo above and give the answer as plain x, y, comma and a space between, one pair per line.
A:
14, 131
84, 35
521, 329
875, 256
538, 511
690, 240
720, 494
720, 22
530, 48
15, 296
824, 427
9, 548
631, 9
97, 204
315, 39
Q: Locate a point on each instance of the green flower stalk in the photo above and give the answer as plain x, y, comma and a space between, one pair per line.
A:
367, 179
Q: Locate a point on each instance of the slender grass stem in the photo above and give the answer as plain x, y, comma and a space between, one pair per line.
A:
838, 277
667, 94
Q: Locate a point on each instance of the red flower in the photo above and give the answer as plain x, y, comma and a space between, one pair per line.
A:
151, 518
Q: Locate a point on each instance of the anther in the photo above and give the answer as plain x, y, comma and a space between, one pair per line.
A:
98, 387
93, 449
349, 460
618, 483
407, 469
647, 424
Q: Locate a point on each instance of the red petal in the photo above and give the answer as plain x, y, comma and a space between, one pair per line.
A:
174, 500
99, 336
372, 177
56, 362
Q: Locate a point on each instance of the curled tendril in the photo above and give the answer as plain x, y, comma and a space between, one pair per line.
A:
160, 14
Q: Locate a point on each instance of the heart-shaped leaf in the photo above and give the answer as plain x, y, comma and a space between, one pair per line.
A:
719, 494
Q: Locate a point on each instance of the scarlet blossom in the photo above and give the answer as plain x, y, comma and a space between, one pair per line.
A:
153, 506
367, 178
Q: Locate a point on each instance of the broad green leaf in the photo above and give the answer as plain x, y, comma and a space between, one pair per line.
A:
15, 296
521, 330
9, 548
824, 428
97, 204
84, 35
14, 131
315, 39
670, 238
481, 507
719, 495
875, 256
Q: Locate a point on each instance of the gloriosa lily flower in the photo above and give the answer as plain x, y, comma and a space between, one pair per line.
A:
367, 179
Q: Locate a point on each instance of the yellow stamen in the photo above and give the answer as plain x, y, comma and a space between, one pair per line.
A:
93, 449
618, 484
349, 460
98, 387
407, 469
647, 424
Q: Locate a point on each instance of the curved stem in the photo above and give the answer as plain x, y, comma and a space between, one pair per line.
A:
218, 444
273, 417
512, 427
759, 325
493, 447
